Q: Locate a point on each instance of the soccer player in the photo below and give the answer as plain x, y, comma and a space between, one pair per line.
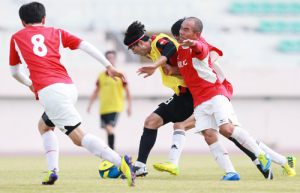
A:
161, 50
112, 99
211, 99
288, 163
39, 48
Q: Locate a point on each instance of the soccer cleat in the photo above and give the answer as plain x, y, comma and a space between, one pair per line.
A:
230, 176
50, 178
267, 174
140, 171
265, 161
167, 167
290, 166
126, 169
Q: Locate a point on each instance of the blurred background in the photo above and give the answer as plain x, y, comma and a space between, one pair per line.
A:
260, 40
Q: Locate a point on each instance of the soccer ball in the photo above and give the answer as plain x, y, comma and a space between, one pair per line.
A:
108, 170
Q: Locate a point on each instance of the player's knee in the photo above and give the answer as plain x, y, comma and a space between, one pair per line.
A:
227, 130
151, 122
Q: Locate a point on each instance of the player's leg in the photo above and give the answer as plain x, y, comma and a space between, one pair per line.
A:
110, 135
58, 101
50, 144
178, 141
227, 129
157, 119
218, 151
288, 163
97, 147
110, 121
206, 125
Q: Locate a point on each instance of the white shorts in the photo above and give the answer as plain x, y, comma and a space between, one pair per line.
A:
212, 113
58, 101
233, 117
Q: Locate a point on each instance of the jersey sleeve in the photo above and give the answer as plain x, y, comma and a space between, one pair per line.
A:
166, 47
69, 40
212, 48
14, 58
200, 50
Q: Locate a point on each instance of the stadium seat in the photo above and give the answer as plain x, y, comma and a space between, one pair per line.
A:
254, 7
289, 46
279, 27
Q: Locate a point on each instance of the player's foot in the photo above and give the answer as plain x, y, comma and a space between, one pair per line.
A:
265, 161
230, 176
290, 166
140, 171
50, 178
126, 169
267, 174
167, 167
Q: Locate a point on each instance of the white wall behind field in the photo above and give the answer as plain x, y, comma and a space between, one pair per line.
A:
272, 121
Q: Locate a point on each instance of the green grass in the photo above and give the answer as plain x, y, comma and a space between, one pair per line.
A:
198, 174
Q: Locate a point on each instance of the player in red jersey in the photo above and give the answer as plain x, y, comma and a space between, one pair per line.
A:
288, 163
39, 48
211, 99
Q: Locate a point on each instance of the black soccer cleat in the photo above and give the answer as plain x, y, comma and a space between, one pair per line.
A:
140, 171
268, 174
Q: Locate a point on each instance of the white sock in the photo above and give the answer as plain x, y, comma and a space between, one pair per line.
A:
96, 146
221, 156
177, 146
50, 144
245, 139
276, 157
139, 164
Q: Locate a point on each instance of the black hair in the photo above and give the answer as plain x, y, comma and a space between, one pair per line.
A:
32, 12
111, 52
176, 27
134, 32
198, 24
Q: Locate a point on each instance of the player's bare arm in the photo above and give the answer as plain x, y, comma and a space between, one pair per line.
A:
129, 100
150, 69
95, 53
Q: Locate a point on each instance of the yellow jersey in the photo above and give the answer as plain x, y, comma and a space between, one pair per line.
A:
172, 82
111, 94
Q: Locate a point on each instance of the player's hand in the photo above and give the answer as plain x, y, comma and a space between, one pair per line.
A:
148, 70
167, 69
31, 88
113, 73
89, 109
188, 42
129, 112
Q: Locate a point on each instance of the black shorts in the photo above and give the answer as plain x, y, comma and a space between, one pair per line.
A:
176, 108
110, 119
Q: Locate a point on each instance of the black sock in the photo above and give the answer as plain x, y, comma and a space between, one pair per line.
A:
246, 151
111, 141
146, 144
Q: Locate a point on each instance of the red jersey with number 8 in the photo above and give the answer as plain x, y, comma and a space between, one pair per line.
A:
39, 48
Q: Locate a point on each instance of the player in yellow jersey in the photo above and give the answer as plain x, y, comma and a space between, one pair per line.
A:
111, 96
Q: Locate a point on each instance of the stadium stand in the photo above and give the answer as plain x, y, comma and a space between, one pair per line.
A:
254, 7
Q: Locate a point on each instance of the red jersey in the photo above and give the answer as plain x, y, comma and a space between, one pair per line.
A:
39, 49
198, 73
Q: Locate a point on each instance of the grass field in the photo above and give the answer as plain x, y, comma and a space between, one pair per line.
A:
198, 174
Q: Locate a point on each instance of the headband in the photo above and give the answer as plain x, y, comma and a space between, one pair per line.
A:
136, 40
